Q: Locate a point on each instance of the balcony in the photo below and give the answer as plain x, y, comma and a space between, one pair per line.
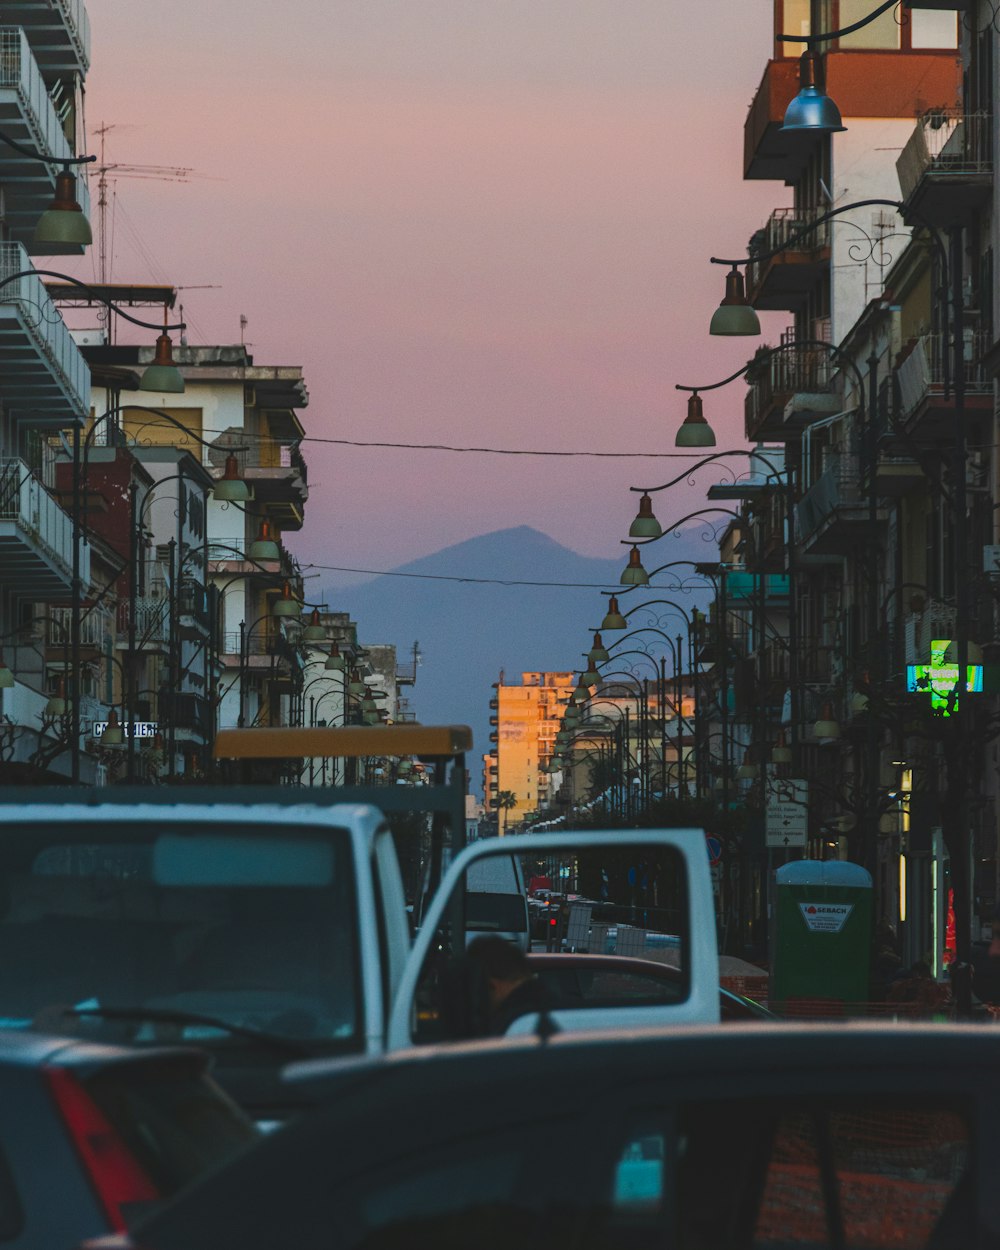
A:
799, 377
274, 469
59, 33
230, 555
36, 537
192, 610
46, 380
927, 401
832, 518
152, 623
864, 83
946, 168
767, 153
785, 280
29, 116
96, 628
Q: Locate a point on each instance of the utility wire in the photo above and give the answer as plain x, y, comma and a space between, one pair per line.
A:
483, 581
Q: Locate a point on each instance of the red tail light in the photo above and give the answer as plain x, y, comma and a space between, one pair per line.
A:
117, 1178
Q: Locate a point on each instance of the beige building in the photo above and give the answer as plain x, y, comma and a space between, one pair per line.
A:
525, 719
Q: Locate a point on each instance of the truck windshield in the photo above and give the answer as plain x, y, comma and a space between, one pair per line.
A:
245, 925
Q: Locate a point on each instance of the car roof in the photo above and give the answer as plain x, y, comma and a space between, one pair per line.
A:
26, 1048
430, 1096
438, 1071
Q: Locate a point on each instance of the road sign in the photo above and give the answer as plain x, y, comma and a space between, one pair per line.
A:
714, 848
787, 813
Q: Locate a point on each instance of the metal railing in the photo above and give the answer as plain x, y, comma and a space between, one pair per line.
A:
152, 619
231, 549
25, 501
926, 368
20, 74
837, 486
43, 324
95, 627
782, 225
77, 21
946, 141
772, 381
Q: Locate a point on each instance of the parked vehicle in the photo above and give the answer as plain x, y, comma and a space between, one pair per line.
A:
265, 925
91, 1136
851, 1136
612, 981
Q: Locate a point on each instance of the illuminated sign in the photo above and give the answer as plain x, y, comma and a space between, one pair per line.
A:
143, 728
939, 678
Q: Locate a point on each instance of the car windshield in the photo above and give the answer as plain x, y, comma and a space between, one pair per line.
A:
249, 926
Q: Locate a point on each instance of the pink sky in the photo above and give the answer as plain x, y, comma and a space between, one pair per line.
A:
470, 221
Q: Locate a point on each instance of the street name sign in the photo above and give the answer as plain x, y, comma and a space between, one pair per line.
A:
786, 817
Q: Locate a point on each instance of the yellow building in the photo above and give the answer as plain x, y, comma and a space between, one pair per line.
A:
525, 720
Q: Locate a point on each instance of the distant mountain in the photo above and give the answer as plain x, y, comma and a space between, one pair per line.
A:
470, 631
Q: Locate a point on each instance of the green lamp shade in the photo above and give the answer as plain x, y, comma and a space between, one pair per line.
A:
56, 706
634, 574
734, 315
230, 487
112, 736
64, 222
314, 631
734, 319
162, 378
613, 618
695, 430
598, 653
263, 546
645, 524
591, 677
826, 726
334, 661
6, 676
287, 605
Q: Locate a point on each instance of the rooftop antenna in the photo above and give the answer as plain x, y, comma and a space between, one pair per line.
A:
243, 329
160, 173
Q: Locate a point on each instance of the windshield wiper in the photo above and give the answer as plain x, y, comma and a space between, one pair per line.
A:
166, 1015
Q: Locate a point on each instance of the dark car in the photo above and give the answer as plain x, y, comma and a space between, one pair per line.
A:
92, 1135
799, 1136
620, 981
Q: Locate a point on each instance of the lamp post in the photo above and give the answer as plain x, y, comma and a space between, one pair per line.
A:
956, 743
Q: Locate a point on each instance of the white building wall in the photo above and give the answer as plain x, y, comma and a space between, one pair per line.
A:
863, 166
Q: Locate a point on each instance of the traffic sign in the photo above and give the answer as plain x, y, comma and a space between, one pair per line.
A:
787, 813
714, 848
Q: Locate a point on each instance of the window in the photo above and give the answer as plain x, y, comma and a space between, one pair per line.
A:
883, 32
870, 1173
933, 28
219, 924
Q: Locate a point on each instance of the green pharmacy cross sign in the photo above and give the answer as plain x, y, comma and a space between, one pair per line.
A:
939, 678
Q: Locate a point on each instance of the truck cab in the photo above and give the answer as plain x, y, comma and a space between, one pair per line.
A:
269, 924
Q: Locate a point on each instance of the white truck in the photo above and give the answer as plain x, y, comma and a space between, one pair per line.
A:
267, 924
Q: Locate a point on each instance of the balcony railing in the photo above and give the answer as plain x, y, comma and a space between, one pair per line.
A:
96, 627
152, 619
927, 367
40, 322
59, 31
773, 381
838, 486
946, 141
32, 115
782, 225
36, 514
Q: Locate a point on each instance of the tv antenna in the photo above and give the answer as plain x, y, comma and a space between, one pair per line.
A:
105, 171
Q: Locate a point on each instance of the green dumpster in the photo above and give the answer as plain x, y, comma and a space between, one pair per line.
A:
822, 937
